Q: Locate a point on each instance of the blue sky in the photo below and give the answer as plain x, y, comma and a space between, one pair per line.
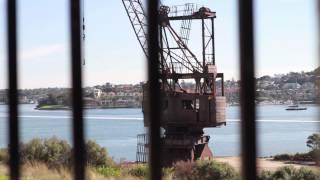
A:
285, 41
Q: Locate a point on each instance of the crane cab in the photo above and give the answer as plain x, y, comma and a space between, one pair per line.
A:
181, 109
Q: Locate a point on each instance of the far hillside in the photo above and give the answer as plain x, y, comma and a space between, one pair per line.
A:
270, 89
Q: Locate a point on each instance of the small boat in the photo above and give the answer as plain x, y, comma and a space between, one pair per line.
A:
295, 107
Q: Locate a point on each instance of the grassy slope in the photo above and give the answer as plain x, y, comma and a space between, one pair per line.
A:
40, 171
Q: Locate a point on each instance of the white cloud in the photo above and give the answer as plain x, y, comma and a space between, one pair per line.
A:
42, 51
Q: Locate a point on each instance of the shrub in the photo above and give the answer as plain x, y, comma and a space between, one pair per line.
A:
97, 155
4, 156
315, 154
289, 172
214, 170
205, 170
109, 171
284, 173
55, 153
265, 175
52, 151
140, 171
282, 157
295, 157
32, 151
306, 174
167, 171
183, 169
302, 157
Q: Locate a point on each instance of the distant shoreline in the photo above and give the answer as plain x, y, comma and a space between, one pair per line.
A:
52, 107
133, 107
61, 107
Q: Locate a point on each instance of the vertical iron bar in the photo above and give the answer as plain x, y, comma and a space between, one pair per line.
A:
247, 89
213, 41
79, 155
318, 21
203, 44
222, 85
154, 89
13, 92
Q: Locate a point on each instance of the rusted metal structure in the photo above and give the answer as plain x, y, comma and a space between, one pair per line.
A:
184, 112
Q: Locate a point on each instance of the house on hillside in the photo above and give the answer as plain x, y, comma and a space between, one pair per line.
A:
308, 85
291, 86
97, 93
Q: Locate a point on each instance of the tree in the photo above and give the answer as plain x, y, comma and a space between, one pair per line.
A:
49, 100
52, 100
313, 141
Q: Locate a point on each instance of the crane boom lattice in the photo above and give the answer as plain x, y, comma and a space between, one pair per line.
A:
137, 17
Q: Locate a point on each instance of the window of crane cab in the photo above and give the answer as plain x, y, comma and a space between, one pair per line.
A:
187, 104
197, 104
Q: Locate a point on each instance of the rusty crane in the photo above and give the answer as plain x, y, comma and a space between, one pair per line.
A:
184, 112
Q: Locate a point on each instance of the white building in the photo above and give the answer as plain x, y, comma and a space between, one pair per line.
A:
97, 93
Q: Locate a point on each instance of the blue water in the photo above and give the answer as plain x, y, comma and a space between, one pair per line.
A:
279, 131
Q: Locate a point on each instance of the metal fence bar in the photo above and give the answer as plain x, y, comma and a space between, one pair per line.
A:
153, 77
13, 92
247, 89
318, 82
79, 155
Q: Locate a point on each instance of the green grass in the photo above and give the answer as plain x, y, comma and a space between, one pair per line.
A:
4, 177
109, 171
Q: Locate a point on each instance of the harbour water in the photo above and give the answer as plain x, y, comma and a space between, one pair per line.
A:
279, 131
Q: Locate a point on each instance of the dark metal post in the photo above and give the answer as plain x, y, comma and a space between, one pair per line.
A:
13, 92
317, 82
213, 45
247, 89
222, 85
154, 89
203, 44
77, 103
